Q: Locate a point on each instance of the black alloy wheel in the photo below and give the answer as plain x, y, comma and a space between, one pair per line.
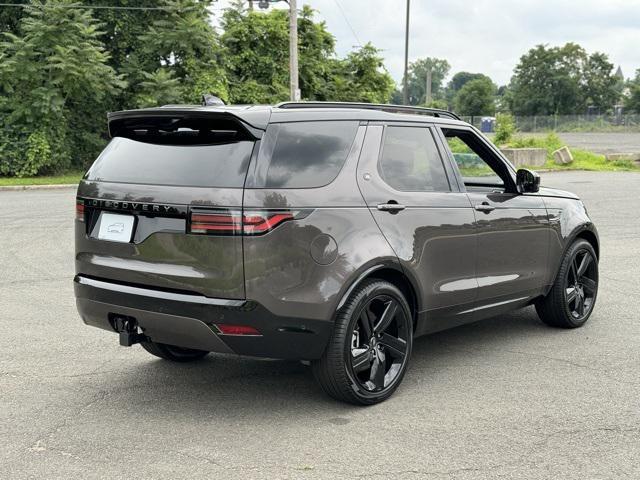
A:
572, 297
581, 284
369, 349
379, 339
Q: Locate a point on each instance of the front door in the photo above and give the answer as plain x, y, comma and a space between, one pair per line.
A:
413, 196
512, 228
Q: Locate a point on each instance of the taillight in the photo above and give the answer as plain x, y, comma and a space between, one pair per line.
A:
256, 223
80, 210
233, 222
220, 223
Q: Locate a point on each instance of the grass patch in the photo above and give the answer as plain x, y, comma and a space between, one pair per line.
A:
582, 159
66, 178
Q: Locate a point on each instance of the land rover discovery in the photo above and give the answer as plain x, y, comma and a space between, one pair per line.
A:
333, 233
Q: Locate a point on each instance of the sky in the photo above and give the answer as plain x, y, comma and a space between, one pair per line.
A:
486, 36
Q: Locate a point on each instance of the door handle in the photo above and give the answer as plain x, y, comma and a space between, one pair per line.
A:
484, 207
390, 207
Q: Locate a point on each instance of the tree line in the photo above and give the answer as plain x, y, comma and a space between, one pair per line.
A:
547, 80
63, 65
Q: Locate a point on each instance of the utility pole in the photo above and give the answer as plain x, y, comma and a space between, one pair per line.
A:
251, 5
405, 90
293, 51
427, 97
294, 89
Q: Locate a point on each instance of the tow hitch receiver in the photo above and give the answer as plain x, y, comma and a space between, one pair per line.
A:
127, 327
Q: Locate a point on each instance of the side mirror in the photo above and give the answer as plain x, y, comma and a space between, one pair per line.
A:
527, 181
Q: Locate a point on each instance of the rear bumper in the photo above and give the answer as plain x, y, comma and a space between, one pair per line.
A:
190, 320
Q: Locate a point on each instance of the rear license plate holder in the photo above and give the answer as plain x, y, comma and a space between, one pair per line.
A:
114, 227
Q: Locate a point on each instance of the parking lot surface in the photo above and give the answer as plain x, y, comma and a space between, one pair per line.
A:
503, 398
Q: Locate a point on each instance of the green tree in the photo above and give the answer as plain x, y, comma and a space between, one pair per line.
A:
184, 43
122, 28
458, 81
361, 77
417, 79
632, 102
476, 97
10, 17
257, 55
561, 80
256, 46
317, 62
54, 79
600, 84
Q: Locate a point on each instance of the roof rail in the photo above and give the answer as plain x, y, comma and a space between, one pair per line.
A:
433, 112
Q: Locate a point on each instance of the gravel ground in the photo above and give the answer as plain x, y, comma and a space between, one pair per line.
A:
503, 398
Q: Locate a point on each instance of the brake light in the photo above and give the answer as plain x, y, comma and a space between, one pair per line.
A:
219, 222
80, 210
233, 222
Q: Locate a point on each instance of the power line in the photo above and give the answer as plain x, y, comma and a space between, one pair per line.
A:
348, 23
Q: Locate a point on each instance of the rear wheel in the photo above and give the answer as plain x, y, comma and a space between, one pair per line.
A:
173, 353
573, 294
369, 349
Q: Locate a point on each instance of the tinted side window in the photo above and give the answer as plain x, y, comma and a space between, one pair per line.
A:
303, 154
411, 162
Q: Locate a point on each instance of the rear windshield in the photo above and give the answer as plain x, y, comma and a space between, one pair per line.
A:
175, 152
303, 154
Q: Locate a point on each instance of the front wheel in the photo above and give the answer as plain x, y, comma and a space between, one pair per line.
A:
370, 346
572, 297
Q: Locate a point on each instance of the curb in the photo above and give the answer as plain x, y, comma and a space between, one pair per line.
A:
7, 188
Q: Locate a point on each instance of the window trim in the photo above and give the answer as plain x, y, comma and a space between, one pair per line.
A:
429, 128
498, 158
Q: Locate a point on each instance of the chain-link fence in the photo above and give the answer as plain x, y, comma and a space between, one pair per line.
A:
571, 123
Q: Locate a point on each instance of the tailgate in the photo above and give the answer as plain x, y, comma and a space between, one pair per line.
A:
136, 202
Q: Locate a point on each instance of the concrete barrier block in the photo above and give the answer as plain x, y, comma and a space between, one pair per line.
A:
526, 157
563, 156
612, 157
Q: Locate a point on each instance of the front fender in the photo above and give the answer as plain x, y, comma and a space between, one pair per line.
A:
569, 220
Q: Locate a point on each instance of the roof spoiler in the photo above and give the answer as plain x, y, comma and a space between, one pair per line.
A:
121, 119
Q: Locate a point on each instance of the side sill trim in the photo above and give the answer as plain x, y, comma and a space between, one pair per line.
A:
146, 292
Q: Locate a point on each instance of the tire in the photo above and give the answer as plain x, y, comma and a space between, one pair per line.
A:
173, 353
370, 346
573, 295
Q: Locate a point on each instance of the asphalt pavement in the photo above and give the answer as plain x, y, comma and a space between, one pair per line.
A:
503, 398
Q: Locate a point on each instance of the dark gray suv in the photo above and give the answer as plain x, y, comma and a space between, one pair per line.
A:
333, 233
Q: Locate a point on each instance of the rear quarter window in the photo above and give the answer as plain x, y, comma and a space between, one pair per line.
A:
303, 154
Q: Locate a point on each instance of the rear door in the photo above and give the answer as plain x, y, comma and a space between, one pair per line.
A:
161, 206
428, 222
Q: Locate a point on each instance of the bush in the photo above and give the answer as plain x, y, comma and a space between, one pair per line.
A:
551, 143
505, 128
24, 153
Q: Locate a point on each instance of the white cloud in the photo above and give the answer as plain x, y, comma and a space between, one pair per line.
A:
487, 36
